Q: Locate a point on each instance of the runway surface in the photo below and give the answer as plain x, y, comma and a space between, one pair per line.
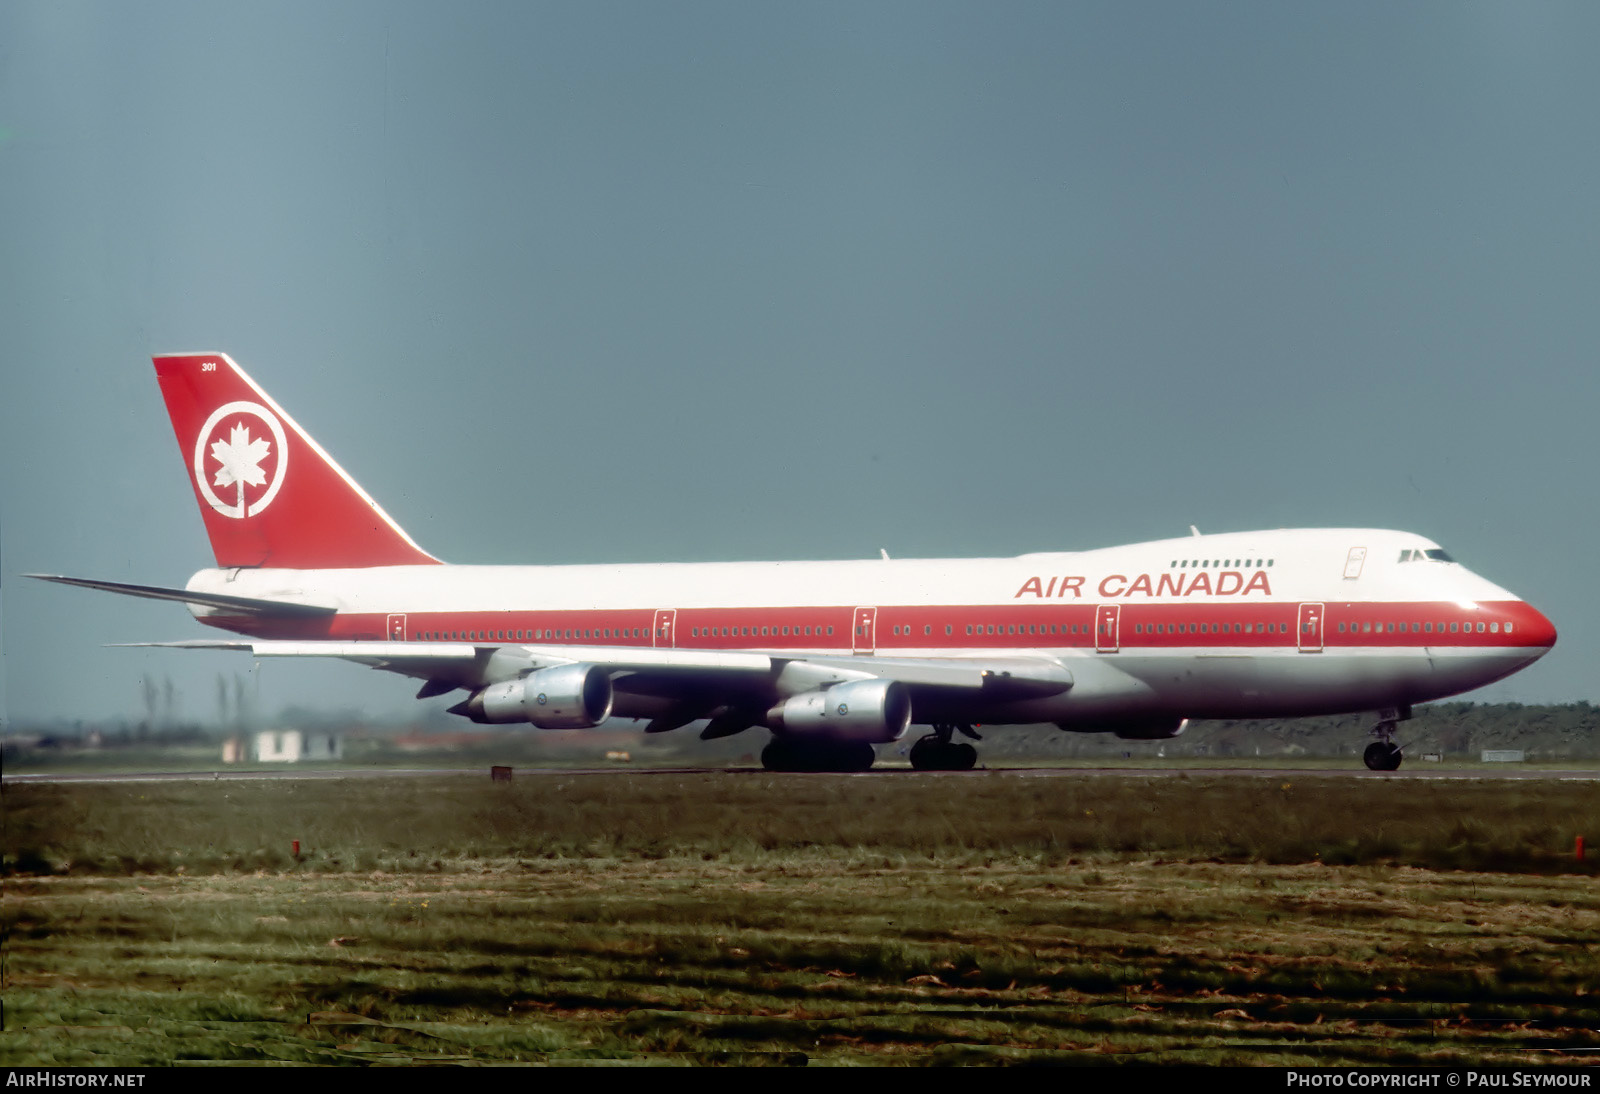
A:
1420, 774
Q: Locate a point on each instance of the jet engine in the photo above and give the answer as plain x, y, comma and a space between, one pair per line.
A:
576, 696
868, 711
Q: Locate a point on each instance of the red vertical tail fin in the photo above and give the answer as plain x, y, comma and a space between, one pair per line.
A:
269, 494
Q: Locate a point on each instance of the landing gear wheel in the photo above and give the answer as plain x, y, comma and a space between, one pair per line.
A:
858, 756
1382, 756
775, 757
847, 756
933, 754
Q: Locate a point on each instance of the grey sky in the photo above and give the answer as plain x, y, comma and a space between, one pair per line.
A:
593, 282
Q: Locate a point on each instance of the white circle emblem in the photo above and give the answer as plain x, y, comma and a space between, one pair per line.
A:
229, 456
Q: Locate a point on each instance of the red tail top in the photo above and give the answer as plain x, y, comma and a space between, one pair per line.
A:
269, 494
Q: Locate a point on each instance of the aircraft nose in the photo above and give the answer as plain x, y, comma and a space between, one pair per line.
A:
1537, 630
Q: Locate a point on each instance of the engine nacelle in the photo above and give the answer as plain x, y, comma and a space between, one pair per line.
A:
576, 696
1155, 728
863, 710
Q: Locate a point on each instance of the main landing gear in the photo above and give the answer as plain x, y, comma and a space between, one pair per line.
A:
937, 752
1383, 754
789, 754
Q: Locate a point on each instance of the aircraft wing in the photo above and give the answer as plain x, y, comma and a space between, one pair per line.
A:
669, 672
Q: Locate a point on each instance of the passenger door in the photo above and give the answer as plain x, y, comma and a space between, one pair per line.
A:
661, 634
865, 639
1106, 619
1310, 628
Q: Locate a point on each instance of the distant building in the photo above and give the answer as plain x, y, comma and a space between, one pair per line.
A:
285, 746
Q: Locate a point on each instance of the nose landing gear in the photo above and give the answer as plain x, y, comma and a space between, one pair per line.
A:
1383, 754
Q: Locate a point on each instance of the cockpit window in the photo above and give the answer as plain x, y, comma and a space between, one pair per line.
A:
1438, 555
1434, 554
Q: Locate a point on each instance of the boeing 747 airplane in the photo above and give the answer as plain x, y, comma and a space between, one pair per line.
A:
831, 658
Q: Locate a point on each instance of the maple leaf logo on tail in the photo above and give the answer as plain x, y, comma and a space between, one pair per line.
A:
227, 440
241, 461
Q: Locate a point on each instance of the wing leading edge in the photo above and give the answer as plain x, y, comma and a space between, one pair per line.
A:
673, 671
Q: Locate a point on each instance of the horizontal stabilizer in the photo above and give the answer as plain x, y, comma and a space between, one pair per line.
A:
249, 605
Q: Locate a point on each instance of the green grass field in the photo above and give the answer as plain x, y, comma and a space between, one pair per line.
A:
753, 918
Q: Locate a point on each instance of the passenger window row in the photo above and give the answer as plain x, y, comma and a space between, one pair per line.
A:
979, 629
1424, 628
532, 635
1211, 628
756, 632
1224, 563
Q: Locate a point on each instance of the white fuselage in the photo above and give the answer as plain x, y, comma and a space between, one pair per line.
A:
1273, 623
